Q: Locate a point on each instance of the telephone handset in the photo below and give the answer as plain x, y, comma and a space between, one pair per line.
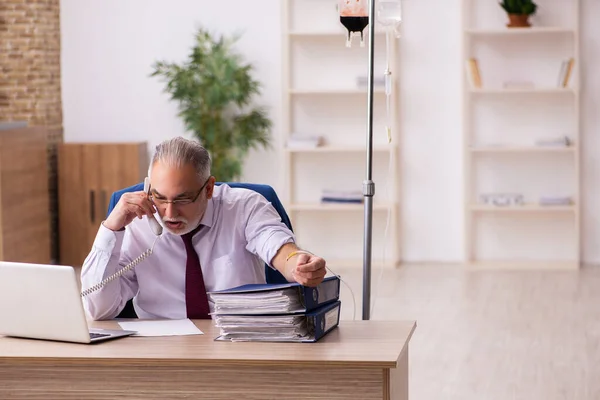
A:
156, 228
154, 225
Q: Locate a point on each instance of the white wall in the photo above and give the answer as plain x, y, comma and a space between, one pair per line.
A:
108, 47
590, 125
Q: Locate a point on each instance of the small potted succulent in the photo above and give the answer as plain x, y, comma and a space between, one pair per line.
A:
518, 12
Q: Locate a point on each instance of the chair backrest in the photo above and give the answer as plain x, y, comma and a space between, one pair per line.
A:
271, 275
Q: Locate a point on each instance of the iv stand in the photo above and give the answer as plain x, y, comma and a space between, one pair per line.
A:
368, 184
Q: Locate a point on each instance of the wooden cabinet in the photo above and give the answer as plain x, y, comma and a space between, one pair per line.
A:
88, 174
24, 196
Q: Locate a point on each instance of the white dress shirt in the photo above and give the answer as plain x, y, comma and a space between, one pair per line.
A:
241, 231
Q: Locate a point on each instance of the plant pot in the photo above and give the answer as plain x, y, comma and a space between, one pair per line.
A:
518, 21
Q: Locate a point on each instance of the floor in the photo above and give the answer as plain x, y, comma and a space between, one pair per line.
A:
490, 335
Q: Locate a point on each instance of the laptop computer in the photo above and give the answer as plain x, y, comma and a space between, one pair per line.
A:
40, 301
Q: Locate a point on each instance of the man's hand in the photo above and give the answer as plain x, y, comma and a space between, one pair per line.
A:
298, 265
307, 269
130, 205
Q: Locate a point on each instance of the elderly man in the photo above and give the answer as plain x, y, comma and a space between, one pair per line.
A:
214, 237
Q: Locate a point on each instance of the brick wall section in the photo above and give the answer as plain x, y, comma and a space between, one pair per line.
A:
30, 76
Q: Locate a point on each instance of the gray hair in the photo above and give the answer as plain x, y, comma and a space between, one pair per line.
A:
179, 151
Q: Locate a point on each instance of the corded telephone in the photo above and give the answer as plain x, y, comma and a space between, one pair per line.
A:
154, 225
156, 228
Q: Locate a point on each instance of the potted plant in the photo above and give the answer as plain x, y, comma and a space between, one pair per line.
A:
518, 12
214, 89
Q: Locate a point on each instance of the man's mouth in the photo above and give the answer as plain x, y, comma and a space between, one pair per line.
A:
174, 224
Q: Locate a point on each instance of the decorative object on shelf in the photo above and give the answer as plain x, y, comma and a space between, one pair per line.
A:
214, 89
563, 141
518, 12
305, 141
502, 199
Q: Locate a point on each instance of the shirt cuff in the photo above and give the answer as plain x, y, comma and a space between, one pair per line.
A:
277, 240
107, 240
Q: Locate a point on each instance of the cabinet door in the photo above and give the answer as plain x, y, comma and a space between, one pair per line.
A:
71, 210
88, 175
91, 171
77, 175
25, 228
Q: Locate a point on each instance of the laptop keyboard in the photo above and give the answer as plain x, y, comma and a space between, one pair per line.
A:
98, 335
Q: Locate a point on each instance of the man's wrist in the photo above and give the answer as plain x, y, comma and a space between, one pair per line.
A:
108, 226
297, 252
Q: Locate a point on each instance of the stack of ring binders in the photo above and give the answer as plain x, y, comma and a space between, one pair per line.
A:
286, 312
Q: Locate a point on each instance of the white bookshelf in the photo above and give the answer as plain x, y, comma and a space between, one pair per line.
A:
322, 97
531, 234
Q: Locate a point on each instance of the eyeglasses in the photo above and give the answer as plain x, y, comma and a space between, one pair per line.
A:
178, 202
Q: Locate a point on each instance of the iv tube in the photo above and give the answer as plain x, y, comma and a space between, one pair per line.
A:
355, 18
388, 88
389, 14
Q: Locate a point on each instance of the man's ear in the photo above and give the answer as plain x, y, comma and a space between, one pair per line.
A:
210, 186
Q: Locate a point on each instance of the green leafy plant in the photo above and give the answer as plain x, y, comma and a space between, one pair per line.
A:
214, 88
519, 7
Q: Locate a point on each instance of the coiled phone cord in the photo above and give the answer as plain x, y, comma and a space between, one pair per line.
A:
119, 273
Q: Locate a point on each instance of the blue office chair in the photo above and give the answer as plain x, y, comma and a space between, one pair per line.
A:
271, 275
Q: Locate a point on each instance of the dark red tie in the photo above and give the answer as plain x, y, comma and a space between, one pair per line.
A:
196, 300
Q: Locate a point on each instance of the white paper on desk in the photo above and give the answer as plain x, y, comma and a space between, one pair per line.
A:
169, 327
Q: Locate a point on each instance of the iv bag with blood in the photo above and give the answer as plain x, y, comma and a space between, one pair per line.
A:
354, 15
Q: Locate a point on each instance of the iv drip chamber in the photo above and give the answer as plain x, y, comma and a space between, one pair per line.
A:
389, 12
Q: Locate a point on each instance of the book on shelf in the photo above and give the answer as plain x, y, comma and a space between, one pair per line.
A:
515, 84
556, 200
473, 73
287, 312
566, 70
342, 196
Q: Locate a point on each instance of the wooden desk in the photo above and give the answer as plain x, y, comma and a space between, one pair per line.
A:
358, 360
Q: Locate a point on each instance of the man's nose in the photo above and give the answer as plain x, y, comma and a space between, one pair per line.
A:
170, 211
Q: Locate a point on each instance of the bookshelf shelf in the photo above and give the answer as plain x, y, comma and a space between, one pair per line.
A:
536, 208
548, 90
520, 31
325, 102
337, 207
523, 149
324, 34
516, 92
341, 92
339, 149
